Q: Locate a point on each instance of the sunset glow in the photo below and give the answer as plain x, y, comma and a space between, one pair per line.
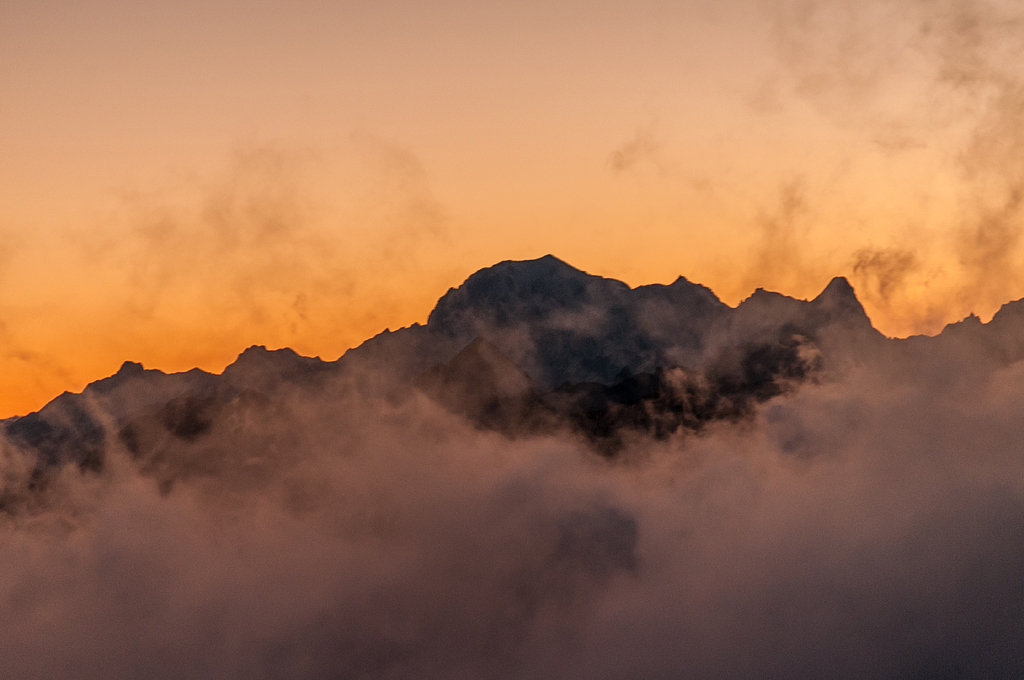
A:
532, 340
183, 180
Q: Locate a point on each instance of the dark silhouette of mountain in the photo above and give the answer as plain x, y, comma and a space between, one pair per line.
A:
177, 441
485, 386
528, 346
1000, 340
558, 323
73, 427
561, 324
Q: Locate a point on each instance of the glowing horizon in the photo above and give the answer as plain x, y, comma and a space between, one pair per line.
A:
184, 181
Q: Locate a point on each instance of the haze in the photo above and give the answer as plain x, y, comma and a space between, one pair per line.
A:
182, 180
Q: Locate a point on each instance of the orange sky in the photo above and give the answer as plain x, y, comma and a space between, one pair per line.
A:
179, 180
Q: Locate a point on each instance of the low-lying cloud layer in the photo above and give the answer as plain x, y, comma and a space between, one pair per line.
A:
864, 520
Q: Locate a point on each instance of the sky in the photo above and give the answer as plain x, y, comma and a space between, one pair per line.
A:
181, 180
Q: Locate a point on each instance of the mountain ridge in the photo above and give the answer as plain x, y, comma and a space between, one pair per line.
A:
557, 324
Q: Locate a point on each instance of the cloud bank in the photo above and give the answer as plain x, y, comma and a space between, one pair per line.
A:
865, 521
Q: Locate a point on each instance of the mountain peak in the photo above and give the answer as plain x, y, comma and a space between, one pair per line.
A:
259, 355
261, 368
761, 294
514, 290
130, 368
839, 301
256, 350
129, 371
528, 271
838, 288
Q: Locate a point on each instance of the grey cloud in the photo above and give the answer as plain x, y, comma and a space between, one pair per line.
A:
304, 523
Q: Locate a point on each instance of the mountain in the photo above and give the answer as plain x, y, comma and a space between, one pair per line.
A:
484, 385
562, 324
74, 427
529, 346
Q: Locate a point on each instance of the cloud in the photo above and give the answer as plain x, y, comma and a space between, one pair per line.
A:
283, 246
864, 525
780, 258
283, 229
939, 78
884, 269
644, 149
312, 546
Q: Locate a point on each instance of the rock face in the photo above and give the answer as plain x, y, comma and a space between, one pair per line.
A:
561, 324
74, 427
484, 385
524, 347
487, 388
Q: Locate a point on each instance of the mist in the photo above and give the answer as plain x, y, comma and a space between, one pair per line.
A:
937, 82
865, 522
553, 475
